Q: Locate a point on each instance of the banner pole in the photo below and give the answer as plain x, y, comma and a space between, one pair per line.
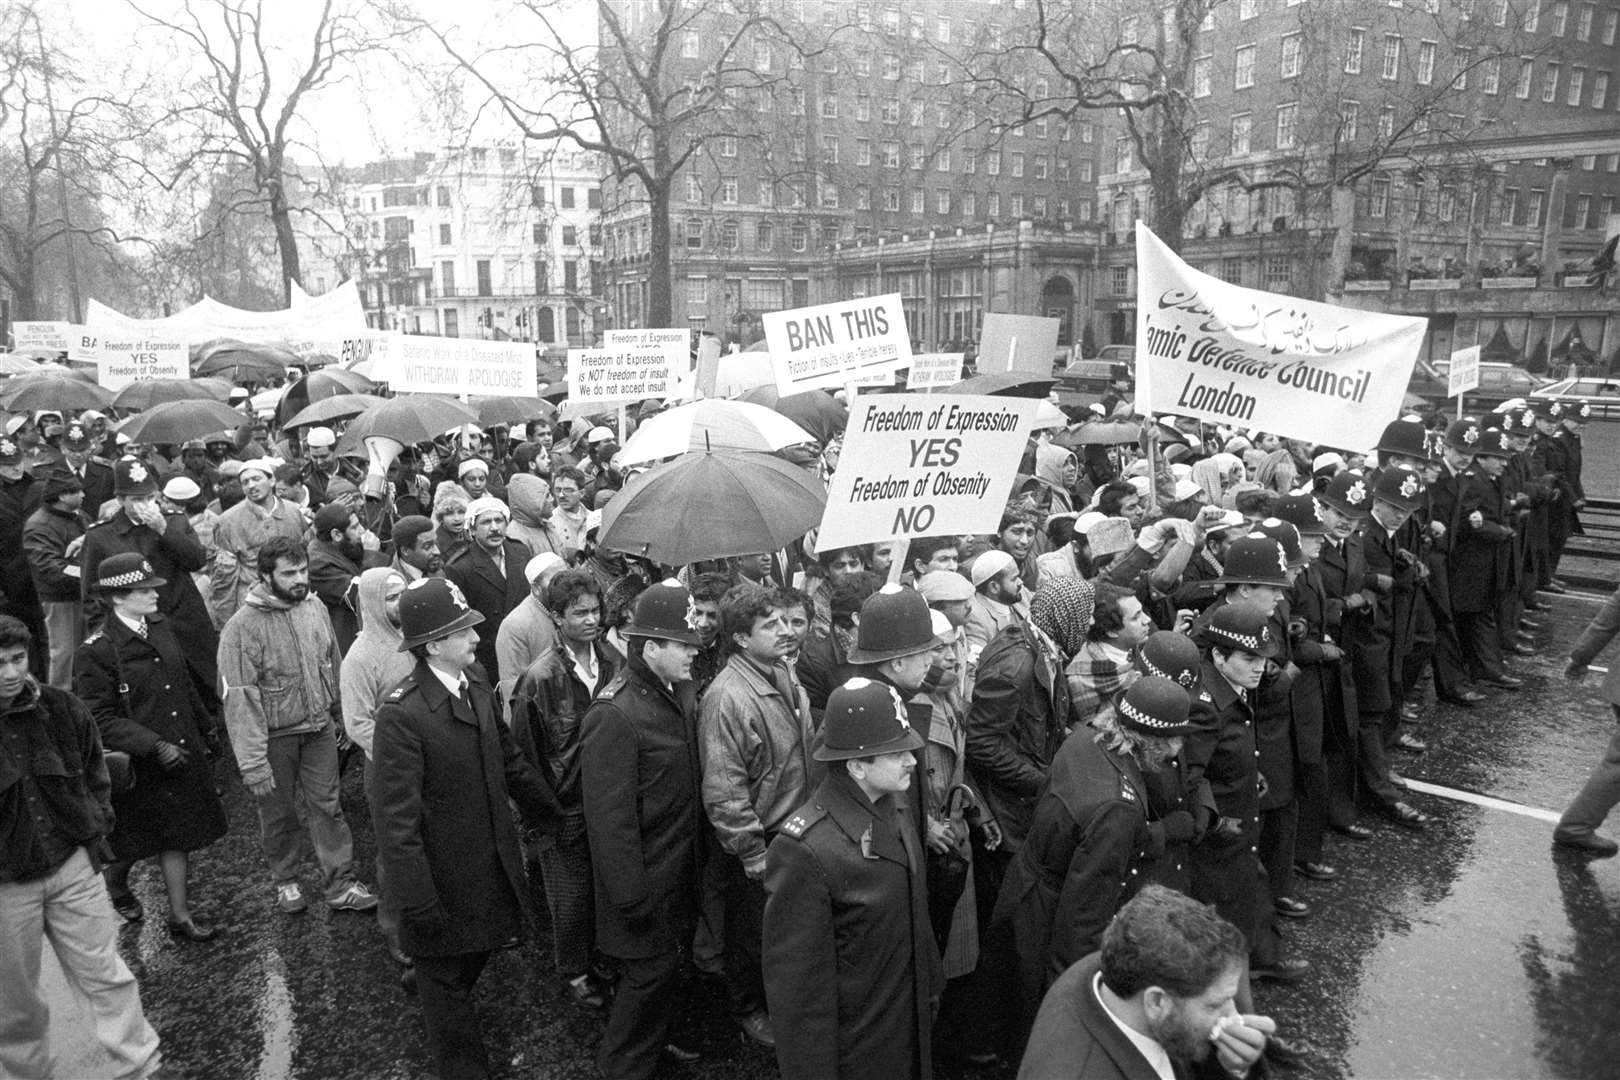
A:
1152, 437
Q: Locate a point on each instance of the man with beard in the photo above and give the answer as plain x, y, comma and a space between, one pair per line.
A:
998, 600
243, 529
416, 548
489, 572
279, 662
529, 630
320, 464
757, 769
1093, 838
195, 465
1156, 1001
342, 548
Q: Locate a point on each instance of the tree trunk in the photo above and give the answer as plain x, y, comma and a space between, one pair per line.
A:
1169, 211
286, 242
660, 301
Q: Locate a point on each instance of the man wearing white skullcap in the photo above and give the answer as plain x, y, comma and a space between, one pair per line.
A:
489, 571
243, 529
529, 630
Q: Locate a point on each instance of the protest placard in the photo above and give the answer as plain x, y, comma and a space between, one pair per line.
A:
931, 369
1463, 375
43, 336
122, 360
924, 465
1297, 368
618, 374
1017, 343
836, 344
439, 365
707, 372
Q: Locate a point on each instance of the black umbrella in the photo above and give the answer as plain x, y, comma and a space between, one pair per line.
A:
144, 395
1021, 384
318, 385
177, 421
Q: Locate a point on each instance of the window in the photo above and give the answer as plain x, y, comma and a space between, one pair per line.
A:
942, 30
1461, 59
918, 200
1392, 56
697, 292
694, 233
1583, 25
1349, 120
914, 71
1526, 75
1380, 197
863, 197
796, 195
1086, 170
829, 149
891, 200
1549, 82
917, 110
486, 286
1119, 280
863, 151
691, 45
1490, 75
891, 111
942, 119
1245, 68
942, 161
1018, 204
1353, 47
992, 204
915, 155
1122, 153
1501, 16
829, 194
1448, 204
796, 101
1063, 208
767, 194
1248, 9
1386, 123
798, 237
452, 323
917, 25
570, 236
970, 160
891, 154
694, 188
447, 278
1242, 127
829, 106
1425, 64
1577, 86
443, 195
1287, 121
1600, 89
540, 234
942, 201
1560, 19
444, 236
729, 239
762, 56
1279, 273
1198, 145
863, 106
1583, 212
1061, 167
1038, 166
1611, 26
1510, 205
567, 196
1292, 47
970, 204
1017, 165
1538, 199
1201, 76
863, 63
728, 191
891, 66
797, 148
1088, 131
764, 236
992, 163
1608, 207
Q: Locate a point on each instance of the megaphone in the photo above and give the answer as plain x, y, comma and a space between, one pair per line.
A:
380, 454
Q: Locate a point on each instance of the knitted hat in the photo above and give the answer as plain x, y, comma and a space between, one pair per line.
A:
472, 464
1154, 707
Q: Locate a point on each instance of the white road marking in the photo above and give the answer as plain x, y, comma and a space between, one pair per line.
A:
1487, 801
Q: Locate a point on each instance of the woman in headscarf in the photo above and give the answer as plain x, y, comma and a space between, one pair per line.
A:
1056, 470
1277, 472
530, 500
450, 504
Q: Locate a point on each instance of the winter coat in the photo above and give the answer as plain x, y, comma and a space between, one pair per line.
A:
45, 538
527, 631
332, 575
445, 768
1015, 725
548, 703
65, 761
373, 666
491, 593
1221, 750
238, 535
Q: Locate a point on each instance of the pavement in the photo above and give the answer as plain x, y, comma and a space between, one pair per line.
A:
1472, 950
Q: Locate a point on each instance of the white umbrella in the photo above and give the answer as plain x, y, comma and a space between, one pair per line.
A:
711, 425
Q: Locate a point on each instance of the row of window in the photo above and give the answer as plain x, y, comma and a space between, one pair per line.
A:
1586, 211
1500, 12
484, 272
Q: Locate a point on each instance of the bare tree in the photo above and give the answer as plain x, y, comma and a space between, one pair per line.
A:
239, 116
663, 82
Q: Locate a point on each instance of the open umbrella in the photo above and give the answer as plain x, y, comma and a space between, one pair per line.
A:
711, 425
329, 409
144, 395
17, 364
1100, 433
318, 385
1005, 384
177, 421
243, 362
817, 412
410, 419
53, 388
711, 505
494, 411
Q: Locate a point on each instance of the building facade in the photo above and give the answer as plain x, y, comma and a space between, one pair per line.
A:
481, 242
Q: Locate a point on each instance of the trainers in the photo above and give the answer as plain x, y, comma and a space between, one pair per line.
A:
290, 898
355, 898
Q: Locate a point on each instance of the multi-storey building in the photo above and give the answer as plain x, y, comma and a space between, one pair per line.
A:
479, 242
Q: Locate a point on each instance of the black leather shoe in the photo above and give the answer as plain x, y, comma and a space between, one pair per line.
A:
1504, 682
397, 955
1519, 648
1354, 831
191, 930
1408, 816
1412, 743
1289, 908
129, 906
584, 992
1590, 843
1554, 586
407, 980
1316, 871
1528, 626
1465, 699
1538, 605
680, 1055
1281, 971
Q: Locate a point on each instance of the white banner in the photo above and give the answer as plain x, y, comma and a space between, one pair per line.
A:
924, 465
616, 375
121, 360
334, 314
1017, 343
441, 365
1463, 374
835, 344
47, 336
931, 369
1296, 368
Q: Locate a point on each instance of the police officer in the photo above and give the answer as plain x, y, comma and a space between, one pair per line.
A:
446, 766
639, 776
851, 968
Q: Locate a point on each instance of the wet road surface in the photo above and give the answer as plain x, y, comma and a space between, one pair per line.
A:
1471, 950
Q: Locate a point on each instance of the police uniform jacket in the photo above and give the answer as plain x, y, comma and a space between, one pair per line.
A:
1318, 693
1480, 557
1375, 630
639, 776
1221, 750
446, 766
851, 967
141, 694
490, 592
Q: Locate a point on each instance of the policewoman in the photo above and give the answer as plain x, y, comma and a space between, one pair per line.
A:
851, 967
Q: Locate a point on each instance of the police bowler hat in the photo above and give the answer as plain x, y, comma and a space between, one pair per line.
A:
432, 608
865, 718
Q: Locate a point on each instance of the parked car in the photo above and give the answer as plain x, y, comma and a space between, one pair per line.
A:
1085, 376
1593, 390
1495, 380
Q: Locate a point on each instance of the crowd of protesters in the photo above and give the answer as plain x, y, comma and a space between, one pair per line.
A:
893, 808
